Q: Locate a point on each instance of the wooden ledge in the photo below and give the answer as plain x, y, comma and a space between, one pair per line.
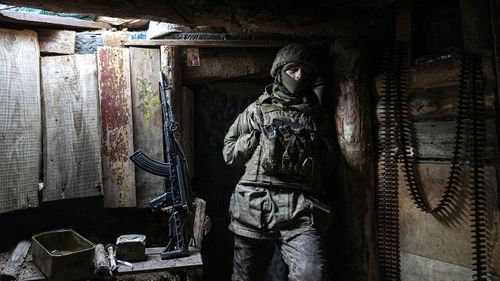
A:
154, 263
24, 18
210, 43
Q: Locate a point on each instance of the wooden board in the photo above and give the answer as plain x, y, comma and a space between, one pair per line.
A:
154, 263
116, 124
210, 43
60, 42
25, 18
418, 268
147, 117
439, 74
200, 222
447, 238
114, 38
72, 155
20, 119
219, 65
435, 140
13, 267
440, 104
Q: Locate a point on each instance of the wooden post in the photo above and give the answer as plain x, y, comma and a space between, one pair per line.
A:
357, 178
171, 67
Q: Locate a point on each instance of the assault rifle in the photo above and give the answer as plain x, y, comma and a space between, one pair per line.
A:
173, 170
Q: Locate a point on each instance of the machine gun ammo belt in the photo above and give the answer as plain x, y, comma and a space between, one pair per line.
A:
393, 70
397, 145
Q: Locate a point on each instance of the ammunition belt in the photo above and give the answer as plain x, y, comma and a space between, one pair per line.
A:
397, 144
394, 83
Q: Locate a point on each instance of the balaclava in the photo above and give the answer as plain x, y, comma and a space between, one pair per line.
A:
287, 90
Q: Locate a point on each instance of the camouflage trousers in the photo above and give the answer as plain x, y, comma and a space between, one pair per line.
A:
304, 254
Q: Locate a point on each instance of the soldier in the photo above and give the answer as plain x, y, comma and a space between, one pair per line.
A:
277, 200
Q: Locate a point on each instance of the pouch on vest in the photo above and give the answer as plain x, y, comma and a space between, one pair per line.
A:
287, 149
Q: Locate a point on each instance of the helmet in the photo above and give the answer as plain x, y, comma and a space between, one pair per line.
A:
294, 53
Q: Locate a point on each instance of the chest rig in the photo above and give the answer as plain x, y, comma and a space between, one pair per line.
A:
288, 140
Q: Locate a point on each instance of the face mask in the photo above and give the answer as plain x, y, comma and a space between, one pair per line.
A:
295, 87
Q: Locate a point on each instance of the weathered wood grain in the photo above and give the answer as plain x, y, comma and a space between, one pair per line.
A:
217, 65
439, 74
114, 38
355, 184
435, 140
154, 263
147, 117
32, 19
60, 42
116, 124
440, 104
13, 267
418, 268
200, 222
20, 119
447, 237
72, 154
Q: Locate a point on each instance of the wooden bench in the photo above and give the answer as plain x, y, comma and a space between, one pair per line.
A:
190, 267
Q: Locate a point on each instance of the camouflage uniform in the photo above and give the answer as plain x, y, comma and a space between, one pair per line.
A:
276, 198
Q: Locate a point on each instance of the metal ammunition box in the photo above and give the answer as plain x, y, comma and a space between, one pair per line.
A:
63, 255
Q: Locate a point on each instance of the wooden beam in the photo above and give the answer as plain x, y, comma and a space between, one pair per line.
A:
210, 43
222, 65
357, 177
31, 19
307, 18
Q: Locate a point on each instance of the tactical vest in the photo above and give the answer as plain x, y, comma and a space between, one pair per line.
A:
286, 153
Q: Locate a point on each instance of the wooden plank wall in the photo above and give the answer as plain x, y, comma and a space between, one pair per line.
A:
147, 119
20, 127
72, 156
116, 125
444, 240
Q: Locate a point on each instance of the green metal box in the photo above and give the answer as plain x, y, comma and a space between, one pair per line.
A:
63, 255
